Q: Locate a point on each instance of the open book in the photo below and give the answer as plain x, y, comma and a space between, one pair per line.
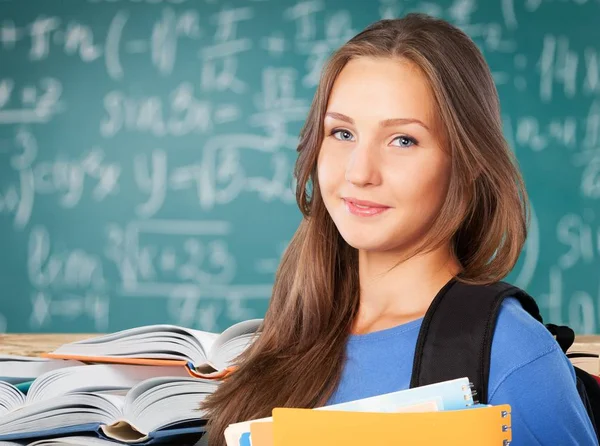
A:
84, 378
205, 355
151, 411
17, 369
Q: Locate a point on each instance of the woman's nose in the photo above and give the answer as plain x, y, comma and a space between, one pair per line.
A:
362, 168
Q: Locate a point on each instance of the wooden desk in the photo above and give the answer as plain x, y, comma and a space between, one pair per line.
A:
588, 339
28, 344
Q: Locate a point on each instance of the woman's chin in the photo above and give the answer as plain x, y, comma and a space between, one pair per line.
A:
365, 242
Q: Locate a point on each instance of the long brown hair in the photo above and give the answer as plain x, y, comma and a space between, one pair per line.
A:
298, 357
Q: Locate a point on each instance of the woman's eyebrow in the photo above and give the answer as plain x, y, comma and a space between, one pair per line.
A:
384, 123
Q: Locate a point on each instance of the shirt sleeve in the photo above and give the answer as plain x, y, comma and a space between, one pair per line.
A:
546, 408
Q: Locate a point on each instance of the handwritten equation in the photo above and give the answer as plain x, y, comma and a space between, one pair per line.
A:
147, 150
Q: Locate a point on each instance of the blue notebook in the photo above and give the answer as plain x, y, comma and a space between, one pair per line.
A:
453, 395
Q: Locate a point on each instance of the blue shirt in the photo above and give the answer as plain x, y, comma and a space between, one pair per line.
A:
528, 370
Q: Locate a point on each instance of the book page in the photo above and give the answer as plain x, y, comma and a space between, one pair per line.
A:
168, 342
94, 377
11, 398
17, 369
233, 341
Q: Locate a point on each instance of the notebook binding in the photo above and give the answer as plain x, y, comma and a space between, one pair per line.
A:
505, 427
473, 395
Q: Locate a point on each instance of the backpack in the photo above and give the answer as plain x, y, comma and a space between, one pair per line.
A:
442, 340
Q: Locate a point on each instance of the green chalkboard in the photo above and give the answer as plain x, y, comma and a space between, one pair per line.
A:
147, 146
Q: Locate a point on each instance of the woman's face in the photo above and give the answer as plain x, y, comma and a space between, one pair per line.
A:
381, 147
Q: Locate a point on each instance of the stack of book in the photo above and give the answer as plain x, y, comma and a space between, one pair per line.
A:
443, 413
139, 386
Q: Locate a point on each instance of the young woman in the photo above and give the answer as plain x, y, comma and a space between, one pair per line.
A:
405, 181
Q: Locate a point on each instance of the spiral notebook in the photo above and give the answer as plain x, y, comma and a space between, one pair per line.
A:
450, 395
478, 426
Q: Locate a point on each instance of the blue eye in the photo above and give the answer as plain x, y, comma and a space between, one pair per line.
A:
405, 141
342, 135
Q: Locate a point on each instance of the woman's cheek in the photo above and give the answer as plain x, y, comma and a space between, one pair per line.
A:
329, 171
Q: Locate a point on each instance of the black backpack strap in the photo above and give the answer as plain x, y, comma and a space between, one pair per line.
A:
565, 336
455, 339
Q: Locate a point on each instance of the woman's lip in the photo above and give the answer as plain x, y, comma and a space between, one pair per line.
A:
371, 204
361, 211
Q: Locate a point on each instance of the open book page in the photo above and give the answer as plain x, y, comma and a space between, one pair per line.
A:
232, 342
206, 352
147, 410
167, 342
158, 403
17, 369
74, 409
88, 378
95, 378
11, 398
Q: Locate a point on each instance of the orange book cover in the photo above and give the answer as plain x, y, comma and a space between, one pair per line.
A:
219, 374
117, 359
480, 426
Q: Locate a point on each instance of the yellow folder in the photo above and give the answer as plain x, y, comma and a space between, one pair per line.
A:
482, 426
261, 431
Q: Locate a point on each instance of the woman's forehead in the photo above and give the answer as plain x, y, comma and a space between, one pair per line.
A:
382, 88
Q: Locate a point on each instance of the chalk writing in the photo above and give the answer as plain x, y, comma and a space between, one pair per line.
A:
582, 308
35, 103
582, 236
219, 60
560, 64
147, 150
74, 275
78, 39
178, 252
62, 177
179, 115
